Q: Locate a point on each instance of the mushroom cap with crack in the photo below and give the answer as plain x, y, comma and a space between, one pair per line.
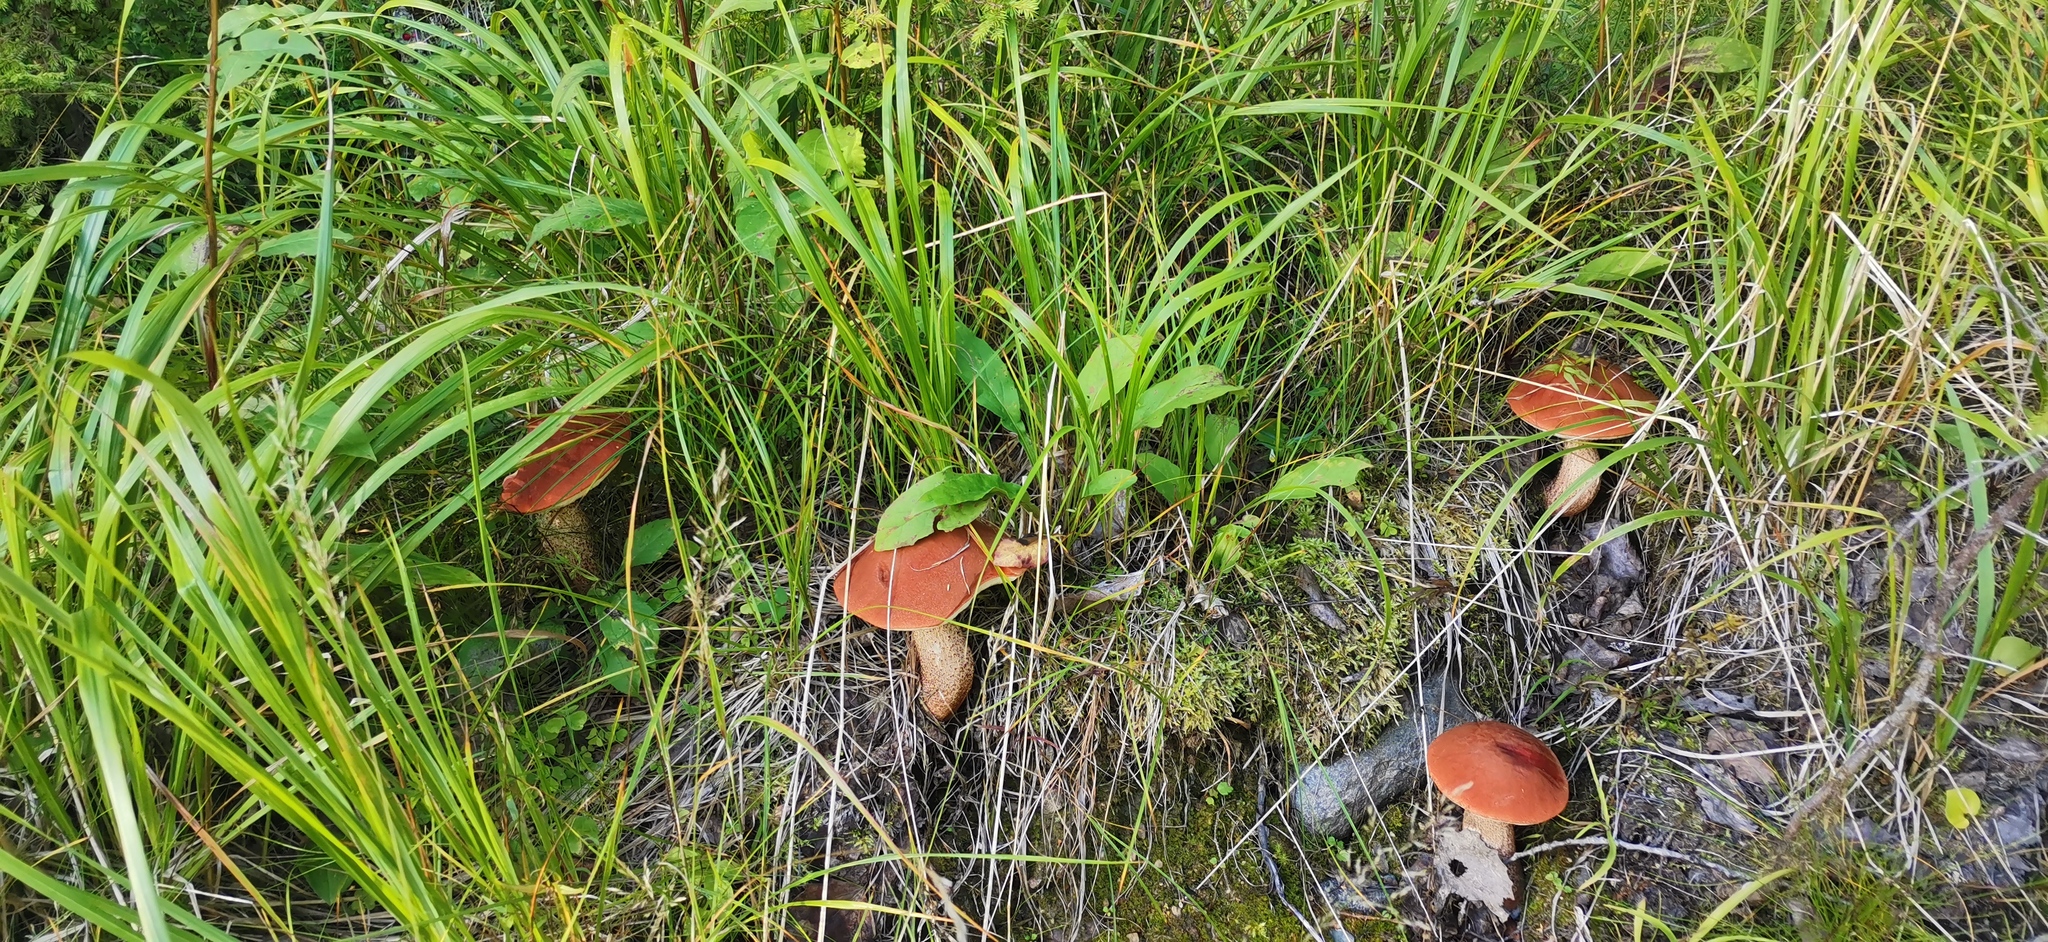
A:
1500, 771
1580, 398
925, 584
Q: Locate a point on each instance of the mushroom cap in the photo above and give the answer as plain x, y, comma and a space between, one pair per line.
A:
1499, 771
1580, 398
573, 460
925, 584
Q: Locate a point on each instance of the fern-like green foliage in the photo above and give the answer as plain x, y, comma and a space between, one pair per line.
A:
988, 17
57, 66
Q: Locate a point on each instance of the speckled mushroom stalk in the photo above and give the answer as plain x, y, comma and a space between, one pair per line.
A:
1575, 464
920, 588
1582, 399
550, 485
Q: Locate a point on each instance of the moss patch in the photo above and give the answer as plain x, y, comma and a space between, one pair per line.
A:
1154, 898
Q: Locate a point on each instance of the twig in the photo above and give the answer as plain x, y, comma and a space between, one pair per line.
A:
209, 319
444, 228
1033, 211
1908, 707
1318, 603
1650, 849
1273, 881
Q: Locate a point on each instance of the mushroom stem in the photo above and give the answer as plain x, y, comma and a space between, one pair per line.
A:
565, 535
945, 668
1575, 486
1498, 835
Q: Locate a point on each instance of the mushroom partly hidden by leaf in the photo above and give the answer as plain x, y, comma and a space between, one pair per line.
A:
550, 483
1582, 399
1502, 775
921, 587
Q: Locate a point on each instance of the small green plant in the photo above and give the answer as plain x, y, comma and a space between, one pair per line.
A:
627, 638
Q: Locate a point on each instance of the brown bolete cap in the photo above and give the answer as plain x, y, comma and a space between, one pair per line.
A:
1581, 398
1498, 771
573, 460
925, 584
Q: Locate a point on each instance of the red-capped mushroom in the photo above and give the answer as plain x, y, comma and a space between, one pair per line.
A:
549, 485
1501, 775
1582, 399
921, 587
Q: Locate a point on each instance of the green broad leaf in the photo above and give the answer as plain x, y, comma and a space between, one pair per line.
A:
584, 830
637, 602
984, 372
188, 255
615, 631
236, 20
865, 55
959, 515
1622, 265
1218, 431
422, 186
327, 881
2012, 653
589, 213
1189, 387
238, 66
617, 669
481, 660
637, 335
728, 7
304, 243
1511, 46
1309, 479
1165, 477
844, 140
1108, 370
355, 441
1959, 805
1109, 482
755, 226
256, 48
651, 541
1404, 245
272, 42
1509, 171
960, 487
485, 658
914, 514
1716, 55
775, 82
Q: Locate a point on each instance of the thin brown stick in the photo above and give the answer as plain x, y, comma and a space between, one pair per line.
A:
209, 321
1908, 708
1651, 849
690, 69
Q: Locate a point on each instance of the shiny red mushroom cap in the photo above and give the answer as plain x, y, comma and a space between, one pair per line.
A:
1583, 398
1498, 771
925, 584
